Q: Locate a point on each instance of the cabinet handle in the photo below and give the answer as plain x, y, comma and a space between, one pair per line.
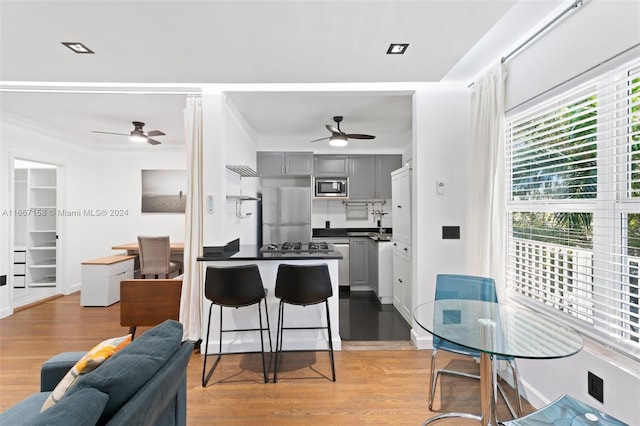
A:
405, 249
121, 273
395, 245
400, 280
399, 207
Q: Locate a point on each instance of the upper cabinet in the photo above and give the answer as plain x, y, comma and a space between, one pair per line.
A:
362, 173
331, 166
385, 164
277, 163
370, 176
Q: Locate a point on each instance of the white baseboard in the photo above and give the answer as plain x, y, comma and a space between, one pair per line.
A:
421, 341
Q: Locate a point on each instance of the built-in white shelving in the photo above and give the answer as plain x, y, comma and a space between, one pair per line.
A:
35, 224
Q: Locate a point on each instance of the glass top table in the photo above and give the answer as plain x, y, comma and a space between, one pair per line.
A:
495, 329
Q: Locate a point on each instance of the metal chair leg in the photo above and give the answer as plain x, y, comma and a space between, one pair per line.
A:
265, 370
206, 344
278, 341
516, 386
432, 379
333, 368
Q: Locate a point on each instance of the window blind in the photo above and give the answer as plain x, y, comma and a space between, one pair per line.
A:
573, 167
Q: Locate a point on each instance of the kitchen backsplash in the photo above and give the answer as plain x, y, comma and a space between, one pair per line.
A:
334, 211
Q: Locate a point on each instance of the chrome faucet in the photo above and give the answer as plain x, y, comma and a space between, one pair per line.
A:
379, 214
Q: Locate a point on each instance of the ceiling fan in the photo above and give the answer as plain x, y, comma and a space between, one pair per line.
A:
137, 135
338, 137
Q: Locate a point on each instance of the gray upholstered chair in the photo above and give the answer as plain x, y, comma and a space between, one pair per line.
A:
155, 257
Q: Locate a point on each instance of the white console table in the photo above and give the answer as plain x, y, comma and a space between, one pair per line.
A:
101, 279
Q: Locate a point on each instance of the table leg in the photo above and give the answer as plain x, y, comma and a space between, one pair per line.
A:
487, 396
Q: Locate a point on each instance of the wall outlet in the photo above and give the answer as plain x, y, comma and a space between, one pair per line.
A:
3, 280
595, 386
450, 232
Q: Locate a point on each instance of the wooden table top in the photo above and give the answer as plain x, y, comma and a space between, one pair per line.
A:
108, 260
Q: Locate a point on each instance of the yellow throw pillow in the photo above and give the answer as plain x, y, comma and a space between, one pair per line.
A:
89, 362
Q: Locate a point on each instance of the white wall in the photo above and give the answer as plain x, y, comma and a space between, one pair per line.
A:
588, 36
228, 140
334, 212
92, 181
241, 142
440, 145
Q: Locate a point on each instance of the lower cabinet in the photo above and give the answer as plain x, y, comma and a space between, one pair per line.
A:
358, 261
101, 279
402, 292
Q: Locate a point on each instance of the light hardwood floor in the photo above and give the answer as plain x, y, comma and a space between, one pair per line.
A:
372, 387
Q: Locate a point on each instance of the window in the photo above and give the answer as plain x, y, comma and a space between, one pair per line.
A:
573, 167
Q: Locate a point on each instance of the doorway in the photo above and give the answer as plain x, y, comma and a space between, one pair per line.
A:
35, 266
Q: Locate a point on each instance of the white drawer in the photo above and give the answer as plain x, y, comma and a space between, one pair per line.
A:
120, 267
402, 248
19, 269
18, 281
19, 256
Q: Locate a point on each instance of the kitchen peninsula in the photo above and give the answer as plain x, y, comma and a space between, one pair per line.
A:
268, 261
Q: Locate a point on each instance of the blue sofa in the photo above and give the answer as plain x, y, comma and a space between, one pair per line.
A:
142, 384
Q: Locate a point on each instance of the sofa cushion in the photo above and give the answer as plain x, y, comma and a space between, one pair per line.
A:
122, 375
83, 408
89, 362
25, 410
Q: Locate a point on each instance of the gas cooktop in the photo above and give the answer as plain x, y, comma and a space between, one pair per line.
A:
298, 247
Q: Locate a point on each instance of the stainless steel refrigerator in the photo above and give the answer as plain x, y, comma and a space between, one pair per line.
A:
286, 215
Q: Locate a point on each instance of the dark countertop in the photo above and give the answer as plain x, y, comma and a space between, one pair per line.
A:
373, 233
252, 252
342, 232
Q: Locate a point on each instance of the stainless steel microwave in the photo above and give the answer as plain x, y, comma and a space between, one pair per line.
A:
331, 187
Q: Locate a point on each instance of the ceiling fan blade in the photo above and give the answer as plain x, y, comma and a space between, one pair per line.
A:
359, 136
321, 139
153, 141
110, 133
333, 129
155, 133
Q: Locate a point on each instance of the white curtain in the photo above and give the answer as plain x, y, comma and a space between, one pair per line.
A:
486, 212
192, 293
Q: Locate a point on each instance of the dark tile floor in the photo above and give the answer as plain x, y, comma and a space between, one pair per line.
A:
362, 318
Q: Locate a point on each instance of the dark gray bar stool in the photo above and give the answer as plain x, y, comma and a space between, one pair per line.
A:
303, 285
235, 287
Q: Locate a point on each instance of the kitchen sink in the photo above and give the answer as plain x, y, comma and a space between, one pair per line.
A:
376, 236
380, 237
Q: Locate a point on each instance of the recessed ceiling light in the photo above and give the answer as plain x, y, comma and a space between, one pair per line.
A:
397, 48
77, 47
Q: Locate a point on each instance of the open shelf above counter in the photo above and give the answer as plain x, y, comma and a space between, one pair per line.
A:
243, 171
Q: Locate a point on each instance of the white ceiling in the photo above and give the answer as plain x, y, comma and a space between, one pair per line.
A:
173, 43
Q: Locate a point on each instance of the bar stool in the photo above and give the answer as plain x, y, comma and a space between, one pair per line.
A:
303, 285
235, 287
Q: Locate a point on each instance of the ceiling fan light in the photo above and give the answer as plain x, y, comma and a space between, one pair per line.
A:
338, 140
137, 137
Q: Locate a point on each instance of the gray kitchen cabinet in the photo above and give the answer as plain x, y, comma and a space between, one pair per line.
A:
358, 261
362, 177
331, 166
385, 164
370, 176
278, 163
